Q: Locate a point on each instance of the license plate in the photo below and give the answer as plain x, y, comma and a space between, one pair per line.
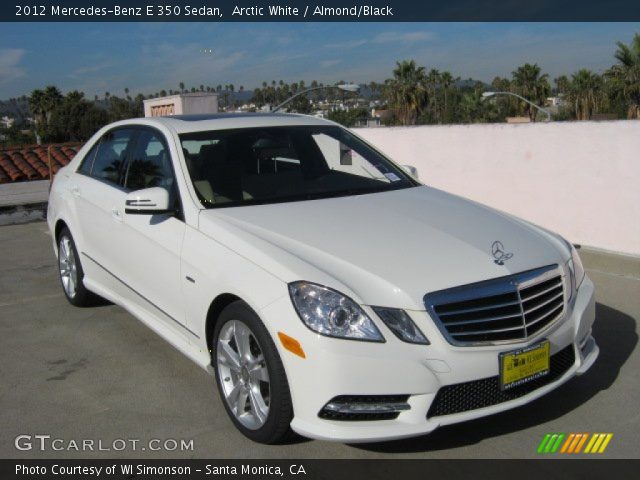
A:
522, 366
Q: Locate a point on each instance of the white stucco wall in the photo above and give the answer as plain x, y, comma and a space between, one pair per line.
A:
580, 179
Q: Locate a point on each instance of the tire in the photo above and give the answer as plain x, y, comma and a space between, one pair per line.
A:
251, 377
71, 273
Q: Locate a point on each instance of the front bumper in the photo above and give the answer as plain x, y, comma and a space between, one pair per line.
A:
336, 367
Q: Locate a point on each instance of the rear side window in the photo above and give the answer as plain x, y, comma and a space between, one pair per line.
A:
87, 161
111, 155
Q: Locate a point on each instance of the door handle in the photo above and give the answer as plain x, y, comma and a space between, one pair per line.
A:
116, 215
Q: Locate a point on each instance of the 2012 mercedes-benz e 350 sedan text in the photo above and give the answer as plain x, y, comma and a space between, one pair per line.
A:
326, 288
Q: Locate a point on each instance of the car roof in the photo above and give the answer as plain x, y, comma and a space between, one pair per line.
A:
222, 121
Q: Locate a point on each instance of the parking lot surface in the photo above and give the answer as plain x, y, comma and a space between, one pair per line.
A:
99, 375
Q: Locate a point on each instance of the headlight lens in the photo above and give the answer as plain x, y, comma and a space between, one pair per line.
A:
331, 313
576, 270
401, 325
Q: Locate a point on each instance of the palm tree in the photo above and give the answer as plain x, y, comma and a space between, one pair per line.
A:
36, 107
533, 86
433, 81
625, 75
447, 81
181, 85
474, 109
406, 91
562, 84
51, 99
42, 103
585, 93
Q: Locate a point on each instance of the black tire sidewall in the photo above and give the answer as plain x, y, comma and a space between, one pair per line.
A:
276, 428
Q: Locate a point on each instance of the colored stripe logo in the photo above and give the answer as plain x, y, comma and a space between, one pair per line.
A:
574, 443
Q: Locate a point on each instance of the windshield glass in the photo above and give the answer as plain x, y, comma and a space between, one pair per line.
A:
252, 166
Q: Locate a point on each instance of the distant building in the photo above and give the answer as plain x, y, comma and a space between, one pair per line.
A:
368, 122
558, 101
7, 122
181, 104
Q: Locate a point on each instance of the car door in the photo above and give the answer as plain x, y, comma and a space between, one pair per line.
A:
153, 243
98, 197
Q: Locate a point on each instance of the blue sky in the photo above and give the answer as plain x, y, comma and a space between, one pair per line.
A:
147, 57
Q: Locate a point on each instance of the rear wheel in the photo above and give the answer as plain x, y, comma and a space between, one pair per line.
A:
250, 376
71, 273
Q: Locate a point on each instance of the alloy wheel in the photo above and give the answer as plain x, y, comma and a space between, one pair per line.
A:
243, 374
68, 267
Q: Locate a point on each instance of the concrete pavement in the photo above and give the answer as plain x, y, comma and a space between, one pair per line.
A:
98, 374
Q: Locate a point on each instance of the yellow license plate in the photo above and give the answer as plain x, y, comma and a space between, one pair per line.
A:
522, 366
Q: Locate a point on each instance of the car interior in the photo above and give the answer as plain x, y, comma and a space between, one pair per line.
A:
260, 164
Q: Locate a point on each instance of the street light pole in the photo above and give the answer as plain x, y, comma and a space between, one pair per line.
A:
347, 87
543, 110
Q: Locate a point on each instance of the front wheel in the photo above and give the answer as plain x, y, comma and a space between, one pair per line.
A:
250, 376
71, 273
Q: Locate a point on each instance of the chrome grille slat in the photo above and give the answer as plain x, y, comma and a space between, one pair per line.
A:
481, 320
541, 317
504, 310
546, 302
493, 330
479, 309
539, 294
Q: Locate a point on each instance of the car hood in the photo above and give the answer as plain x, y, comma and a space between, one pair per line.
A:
388, 248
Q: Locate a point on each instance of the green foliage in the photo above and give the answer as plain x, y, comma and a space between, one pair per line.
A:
532, 84
74, 119
348, 118
625, 77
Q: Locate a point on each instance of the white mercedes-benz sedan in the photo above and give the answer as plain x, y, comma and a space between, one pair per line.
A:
327, 289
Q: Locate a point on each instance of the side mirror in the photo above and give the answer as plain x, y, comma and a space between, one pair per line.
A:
411, 170
149, 201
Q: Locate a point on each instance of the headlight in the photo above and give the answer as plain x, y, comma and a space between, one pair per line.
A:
576, 270
401, 325
331, 313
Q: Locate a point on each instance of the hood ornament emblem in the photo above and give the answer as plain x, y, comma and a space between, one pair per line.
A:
499, 254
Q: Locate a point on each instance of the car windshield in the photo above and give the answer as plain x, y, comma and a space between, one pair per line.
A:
252, 166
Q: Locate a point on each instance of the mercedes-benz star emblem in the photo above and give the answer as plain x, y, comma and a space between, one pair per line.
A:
499, 255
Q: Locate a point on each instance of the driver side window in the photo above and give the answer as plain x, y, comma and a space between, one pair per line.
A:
150, 163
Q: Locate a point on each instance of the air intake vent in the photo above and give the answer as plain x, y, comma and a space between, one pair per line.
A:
504, 310
463, 397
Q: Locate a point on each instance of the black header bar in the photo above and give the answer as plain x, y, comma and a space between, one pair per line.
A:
320, 11
297, 469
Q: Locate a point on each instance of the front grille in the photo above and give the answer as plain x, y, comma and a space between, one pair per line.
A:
330, 414
506, 309
476, 394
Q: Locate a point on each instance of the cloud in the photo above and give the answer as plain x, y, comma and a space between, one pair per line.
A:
90, 69
329, 63
348, 45
10, 68
405, 37
384, 38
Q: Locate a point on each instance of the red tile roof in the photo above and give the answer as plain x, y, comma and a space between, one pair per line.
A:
32, 163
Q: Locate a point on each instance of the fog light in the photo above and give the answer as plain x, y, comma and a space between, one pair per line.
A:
365, 407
